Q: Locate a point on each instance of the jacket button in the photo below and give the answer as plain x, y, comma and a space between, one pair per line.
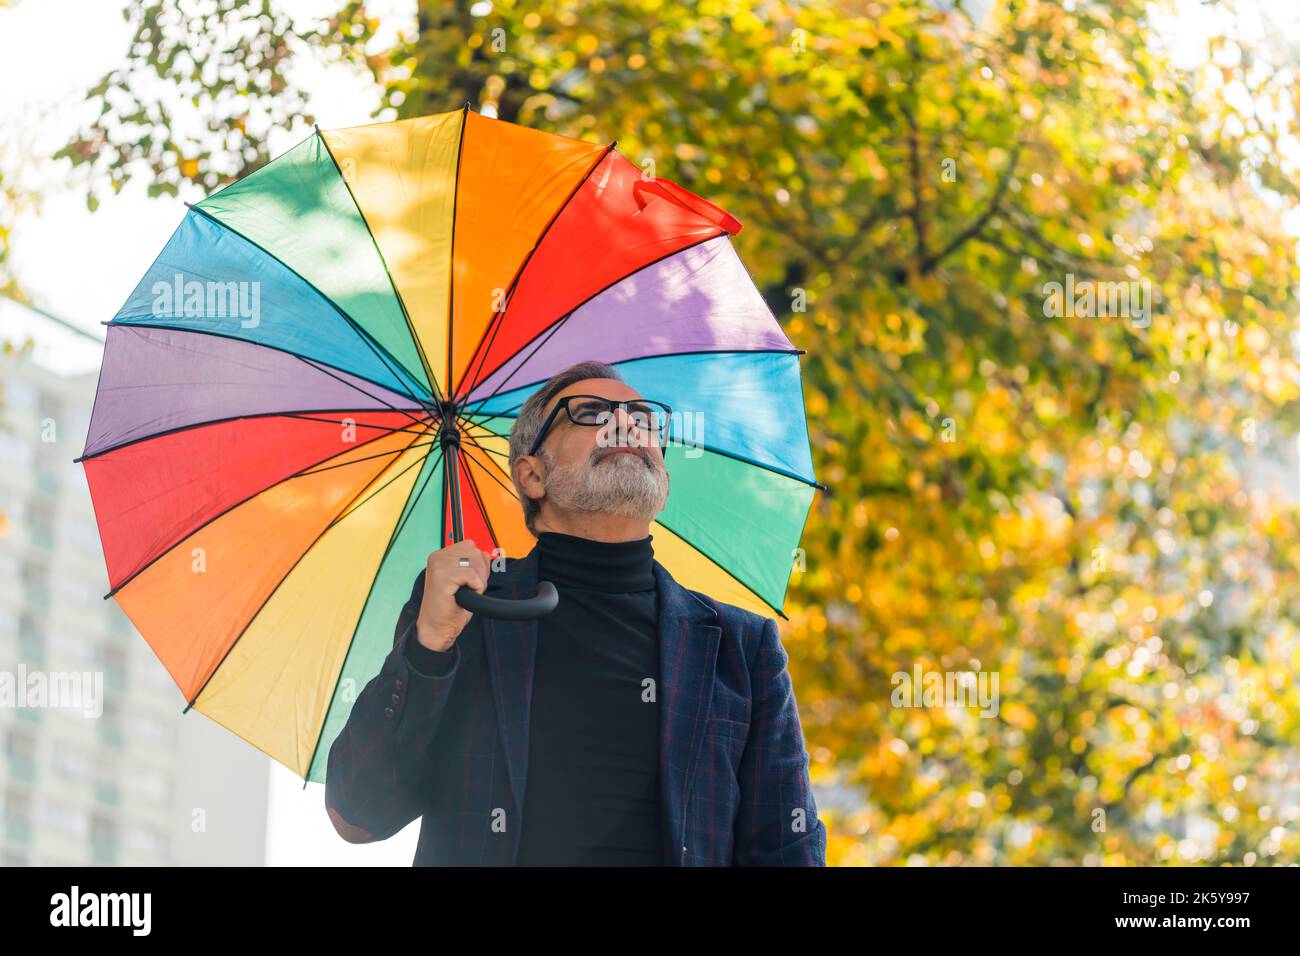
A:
389, 712
398, 684
397, 698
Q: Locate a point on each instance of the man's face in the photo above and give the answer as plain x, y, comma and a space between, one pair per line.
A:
616, 468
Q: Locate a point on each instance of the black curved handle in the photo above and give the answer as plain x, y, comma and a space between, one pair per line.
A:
505, 609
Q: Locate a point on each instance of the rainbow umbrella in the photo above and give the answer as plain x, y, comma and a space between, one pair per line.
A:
314, 382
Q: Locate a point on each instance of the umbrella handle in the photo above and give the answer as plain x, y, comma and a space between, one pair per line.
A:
505, 609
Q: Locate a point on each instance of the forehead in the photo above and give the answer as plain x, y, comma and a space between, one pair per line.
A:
604, 387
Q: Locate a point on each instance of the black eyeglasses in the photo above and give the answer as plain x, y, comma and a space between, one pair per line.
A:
592, 410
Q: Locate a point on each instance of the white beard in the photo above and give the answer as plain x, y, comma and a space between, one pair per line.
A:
619, 484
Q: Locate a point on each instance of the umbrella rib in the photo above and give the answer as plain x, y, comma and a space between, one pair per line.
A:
514, 494
640, 358
512, 412
482, 509
503, 455
499, 454
451, 265
741, 458
490, 434
392, 540
686, 540
344, 464
234, 182
481, 351
380, 353
283, 578
351, 411
263, 345
660, 520
219, 421
401, 303
436, 461
473, 441
554, 326
718, 564
550, 333
406, 517
351, 509
322, 368
148, 564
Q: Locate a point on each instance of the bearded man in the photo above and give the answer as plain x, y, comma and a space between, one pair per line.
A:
639, 724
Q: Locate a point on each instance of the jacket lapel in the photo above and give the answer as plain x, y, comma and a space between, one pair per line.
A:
688, 653
511, 650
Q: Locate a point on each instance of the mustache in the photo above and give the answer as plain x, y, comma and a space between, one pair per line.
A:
600, 454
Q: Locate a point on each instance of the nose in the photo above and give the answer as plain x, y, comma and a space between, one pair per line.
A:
627, 426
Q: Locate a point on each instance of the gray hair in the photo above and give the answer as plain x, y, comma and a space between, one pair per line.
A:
533, 413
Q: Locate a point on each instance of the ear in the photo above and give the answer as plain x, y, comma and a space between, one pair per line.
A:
530, 472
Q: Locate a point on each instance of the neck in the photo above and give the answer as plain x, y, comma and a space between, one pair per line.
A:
593, 527
571, 561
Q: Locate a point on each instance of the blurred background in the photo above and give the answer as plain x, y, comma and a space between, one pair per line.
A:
1042, 257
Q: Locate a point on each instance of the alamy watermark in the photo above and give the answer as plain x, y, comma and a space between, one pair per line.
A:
1086, 298
682, 428
946, 689
196, 299
129, 910
64, 690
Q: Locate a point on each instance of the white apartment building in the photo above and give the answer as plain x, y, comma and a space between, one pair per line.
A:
139, 784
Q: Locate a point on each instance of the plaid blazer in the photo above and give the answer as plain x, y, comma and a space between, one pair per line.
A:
453, 749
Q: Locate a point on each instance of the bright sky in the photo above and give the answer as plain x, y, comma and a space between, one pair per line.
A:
82, 266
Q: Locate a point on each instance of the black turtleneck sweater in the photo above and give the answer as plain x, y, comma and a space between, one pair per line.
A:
592, 797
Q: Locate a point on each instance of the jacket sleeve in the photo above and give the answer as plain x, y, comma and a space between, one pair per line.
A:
378, 771
777, 824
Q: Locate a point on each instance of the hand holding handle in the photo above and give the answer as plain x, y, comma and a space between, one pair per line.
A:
505, 609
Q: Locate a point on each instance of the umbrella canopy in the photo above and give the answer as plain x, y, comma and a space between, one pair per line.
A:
314, 383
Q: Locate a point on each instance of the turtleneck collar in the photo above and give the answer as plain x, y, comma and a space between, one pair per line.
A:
613, 566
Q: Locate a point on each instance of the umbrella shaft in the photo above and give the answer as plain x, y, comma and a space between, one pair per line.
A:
451, 485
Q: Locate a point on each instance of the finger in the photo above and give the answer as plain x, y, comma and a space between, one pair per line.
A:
482, 562
470, 557
468, 577
457, 550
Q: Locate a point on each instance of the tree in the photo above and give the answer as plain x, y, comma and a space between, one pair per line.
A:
1022, 483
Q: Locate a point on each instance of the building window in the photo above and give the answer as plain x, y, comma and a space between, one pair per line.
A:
70, 761
147, 841
65, 819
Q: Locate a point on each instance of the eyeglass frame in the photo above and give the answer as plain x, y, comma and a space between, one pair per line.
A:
613, 403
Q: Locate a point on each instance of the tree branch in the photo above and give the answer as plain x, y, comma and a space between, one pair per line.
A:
915, 212
974, 229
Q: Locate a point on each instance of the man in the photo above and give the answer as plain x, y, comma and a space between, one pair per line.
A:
638, 724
